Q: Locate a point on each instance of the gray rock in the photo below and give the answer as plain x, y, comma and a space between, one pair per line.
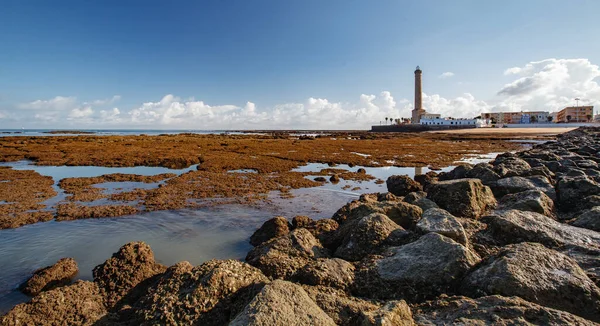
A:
574, 172
516, 226
209, 294
570, 190
538, 274
425, 204
48, 278
334, 272
462, 197
404, 214
272, 228
282, 303
402, 185
440, 221
530, 200
414, 196
392, 313
483, 172
365, 237
458, 172
589, 219
491, 310
282, 257
510, 166
419, 270
513, 185
541, 171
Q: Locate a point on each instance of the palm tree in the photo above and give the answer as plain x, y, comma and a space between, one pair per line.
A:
550, 118
386, 119
568, 118
533, 119
589, 117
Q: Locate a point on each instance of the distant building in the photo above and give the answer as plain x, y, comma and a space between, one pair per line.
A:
575, 114
418, 111
478, 123
517, 117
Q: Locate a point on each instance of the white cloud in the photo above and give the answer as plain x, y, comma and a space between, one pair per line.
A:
541, 85
551, 84
512, 71
57, 103
79, 113
447, 74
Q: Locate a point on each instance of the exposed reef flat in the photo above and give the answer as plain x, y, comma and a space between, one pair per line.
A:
218, 177
510, 242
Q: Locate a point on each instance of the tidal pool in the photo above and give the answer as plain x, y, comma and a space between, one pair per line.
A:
198, 235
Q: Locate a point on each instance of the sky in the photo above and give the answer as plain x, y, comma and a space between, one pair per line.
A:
294, 64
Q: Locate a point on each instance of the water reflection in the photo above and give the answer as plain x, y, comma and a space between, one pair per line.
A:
195, 236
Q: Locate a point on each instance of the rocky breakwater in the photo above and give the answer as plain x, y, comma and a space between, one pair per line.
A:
510, 242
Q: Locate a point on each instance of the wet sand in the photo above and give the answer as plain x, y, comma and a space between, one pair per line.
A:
240, 169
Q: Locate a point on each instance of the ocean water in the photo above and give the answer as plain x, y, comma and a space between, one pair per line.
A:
124, 132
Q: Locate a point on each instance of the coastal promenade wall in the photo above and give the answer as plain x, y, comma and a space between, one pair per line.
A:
416, 128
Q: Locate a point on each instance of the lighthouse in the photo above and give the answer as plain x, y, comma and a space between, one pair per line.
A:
418, 109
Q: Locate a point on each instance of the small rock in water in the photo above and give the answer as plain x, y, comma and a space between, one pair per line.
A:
48, 278
402, 185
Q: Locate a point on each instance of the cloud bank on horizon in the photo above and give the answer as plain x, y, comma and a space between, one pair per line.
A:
546, 85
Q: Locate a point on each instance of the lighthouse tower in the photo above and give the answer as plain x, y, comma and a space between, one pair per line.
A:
418, 111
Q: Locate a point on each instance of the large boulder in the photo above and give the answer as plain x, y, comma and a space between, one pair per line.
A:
589, 219
365, 237
131, 265
282, 303
462, 197
491, 310
508, 166
440, 221
272, 228
483, 172
48, 278
530, 200
416, 271
209, 294
78, 304
392, 313
459, 172
538, 274
516, 226
402, 185
513, 185
282, 257
570, 190
336, 273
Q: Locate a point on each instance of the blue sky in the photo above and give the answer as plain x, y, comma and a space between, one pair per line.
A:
245, 64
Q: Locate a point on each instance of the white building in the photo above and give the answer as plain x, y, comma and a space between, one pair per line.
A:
478, 123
